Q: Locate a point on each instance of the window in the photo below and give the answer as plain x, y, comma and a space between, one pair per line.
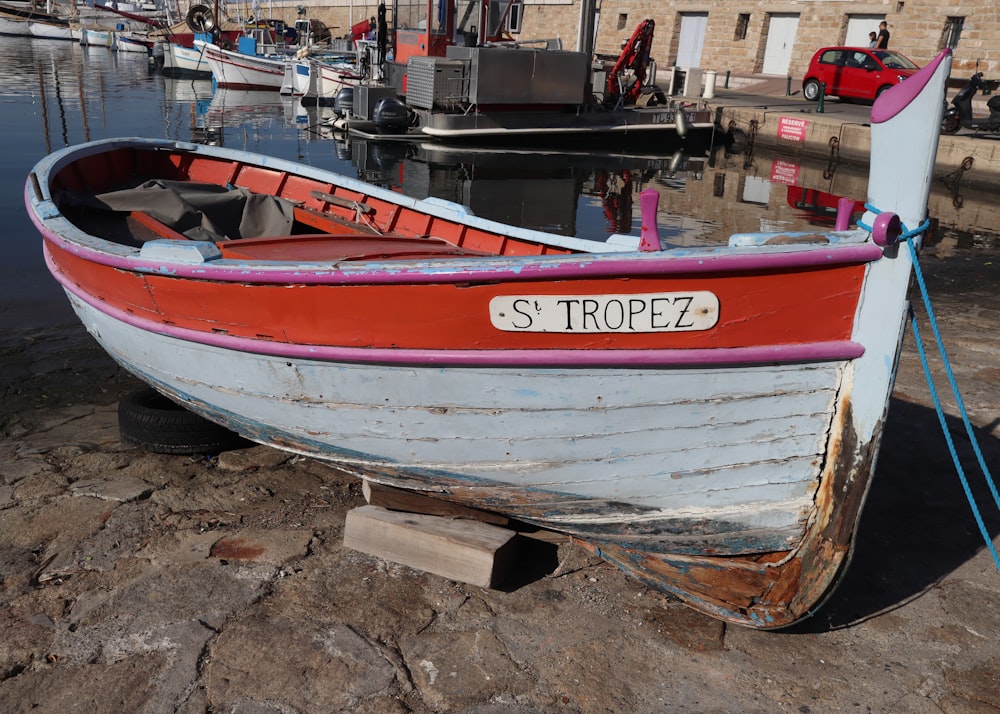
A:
514, 17
952, 31
496, 13
834, 57
742, 22
622, 20
411, 15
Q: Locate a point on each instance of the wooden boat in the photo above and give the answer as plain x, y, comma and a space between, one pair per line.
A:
261, 54
97, 37
30, 12
707, 418
182, 58
320, 76
134, 41
179, 60
53, 30
14, 26
255, 64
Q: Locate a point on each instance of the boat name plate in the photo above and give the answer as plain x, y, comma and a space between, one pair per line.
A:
640, 312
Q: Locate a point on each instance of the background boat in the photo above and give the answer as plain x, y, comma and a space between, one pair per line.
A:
14, 26
97, 37
49, 30
250, 67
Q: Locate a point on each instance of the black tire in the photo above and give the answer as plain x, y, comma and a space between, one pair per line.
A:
811, 90
153, 422
883, 90
951, 123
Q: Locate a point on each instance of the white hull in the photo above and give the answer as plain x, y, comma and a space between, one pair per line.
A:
90, 37
317, 79
16, 28
45, 31
241, 71
652, 463
128, 43
177, 58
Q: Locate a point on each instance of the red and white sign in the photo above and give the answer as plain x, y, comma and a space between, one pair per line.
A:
792, 129
784, 172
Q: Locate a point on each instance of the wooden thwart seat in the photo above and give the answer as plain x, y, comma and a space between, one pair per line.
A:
318, 246
162, 230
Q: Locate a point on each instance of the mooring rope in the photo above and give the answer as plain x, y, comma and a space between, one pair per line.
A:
908, 236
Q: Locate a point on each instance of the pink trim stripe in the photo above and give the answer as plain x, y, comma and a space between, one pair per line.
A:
768, 354
583, 265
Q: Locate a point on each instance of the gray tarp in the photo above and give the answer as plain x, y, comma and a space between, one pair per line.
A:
203, 211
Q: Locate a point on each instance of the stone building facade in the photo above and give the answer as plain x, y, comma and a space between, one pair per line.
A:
739, 36
736, 32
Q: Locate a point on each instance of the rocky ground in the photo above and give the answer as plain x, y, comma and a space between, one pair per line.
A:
136, 582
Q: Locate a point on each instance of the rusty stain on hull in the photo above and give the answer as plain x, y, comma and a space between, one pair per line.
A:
763, 592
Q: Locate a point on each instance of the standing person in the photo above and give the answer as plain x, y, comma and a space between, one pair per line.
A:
882, 42
871, 39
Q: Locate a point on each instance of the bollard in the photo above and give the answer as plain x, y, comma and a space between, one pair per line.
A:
788, 87
845, 206
728, 72
819, 101
709, 90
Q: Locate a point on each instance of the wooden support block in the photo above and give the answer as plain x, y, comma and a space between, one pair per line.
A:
469, 551
398, 499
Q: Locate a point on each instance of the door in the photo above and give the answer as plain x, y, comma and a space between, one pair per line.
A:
857, 76
781, 30
858, 27
691, 39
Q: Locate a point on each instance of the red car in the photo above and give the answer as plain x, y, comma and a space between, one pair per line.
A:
855, 72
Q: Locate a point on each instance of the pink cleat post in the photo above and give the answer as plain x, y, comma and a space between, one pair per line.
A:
844, 208
648, 202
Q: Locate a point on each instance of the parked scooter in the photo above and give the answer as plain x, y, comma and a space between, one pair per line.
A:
959, 114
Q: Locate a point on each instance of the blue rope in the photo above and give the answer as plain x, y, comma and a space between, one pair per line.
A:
907, 235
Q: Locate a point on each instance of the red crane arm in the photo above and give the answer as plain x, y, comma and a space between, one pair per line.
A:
634, 57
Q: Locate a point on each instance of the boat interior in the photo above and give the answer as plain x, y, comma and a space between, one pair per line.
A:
130, 196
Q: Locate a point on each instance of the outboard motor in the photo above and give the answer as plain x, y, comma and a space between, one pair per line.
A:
390, 116
387, 154
343, 102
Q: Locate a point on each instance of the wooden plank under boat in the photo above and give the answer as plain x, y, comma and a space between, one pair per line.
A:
706, 418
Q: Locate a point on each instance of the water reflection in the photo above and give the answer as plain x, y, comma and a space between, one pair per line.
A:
589, 195
704, 198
